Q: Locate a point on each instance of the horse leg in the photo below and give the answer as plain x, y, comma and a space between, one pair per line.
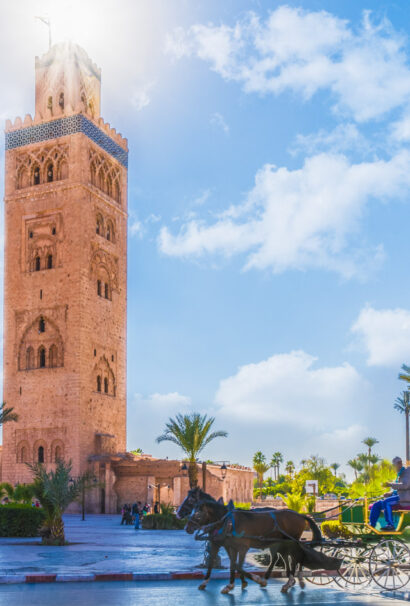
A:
233, 554
248, 575
301, 580
290, 574
273, 559
212, 556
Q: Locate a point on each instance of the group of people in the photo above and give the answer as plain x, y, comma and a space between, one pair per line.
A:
132, 514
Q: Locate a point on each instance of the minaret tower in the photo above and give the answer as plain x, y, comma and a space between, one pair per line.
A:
65, 277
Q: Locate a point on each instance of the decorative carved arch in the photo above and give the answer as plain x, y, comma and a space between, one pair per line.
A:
34, 339
104, 377
103, 263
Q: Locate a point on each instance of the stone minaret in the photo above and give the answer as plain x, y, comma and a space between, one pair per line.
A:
65, 278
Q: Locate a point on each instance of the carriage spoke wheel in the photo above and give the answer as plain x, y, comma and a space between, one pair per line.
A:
354, 569
389, 564
321, 579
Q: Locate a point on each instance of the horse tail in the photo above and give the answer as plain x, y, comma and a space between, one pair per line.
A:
317, 535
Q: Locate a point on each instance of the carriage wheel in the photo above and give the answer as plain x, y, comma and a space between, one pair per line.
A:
321, 579
354, 569
389, 564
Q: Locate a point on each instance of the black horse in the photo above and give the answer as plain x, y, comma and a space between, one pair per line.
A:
238, 531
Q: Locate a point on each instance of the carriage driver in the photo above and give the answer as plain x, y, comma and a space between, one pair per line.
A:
399, 494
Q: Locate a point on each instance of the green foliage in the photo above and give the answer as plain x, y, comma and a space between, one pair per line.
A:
295, 501
314, 468
7, 414
240, 505
334, 529
21, 493
136, 451
192, 433
310, 503
376, 476
167, 509
18, 520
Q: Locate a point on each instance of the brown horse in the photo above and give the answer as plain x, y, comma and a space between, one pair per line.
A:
238, 531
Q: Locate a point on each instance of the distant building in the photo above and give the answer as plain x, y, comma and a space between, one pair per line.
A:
65, 295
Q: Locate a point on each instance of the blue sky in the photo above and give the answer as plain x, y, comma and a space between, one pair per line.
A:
268, 203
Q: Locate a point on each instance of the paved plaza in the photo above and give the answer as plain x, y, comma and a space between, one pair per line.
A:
177, 593
101, 545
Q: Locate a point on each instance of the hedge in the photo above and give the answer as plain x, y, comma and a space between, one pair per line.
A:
161, 521
17, 520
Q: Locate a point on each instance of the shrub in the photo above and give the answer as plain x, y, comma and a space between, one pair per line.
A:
18, 520
240, 505
161, 521
333, 529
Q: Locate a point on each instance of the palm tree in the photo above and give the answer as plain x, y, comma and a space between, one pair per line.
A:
370, 442
290, 468
335, 467
55, 490
403, 406
7, 414
192, 433
276, 460
260, 466
405, 374
356, 466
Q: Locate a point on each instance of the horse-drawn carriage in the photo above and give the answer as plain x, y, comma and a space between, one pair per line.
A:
363, 554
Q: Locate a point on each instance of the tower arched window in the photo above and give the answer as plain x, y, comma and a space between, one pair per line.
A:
36, 175
58, 454
105, 385
29, 358
99, 288
50, 261
40, 454
23, 454
106, 291
52, 357
61, 101
41, 357
41, 325
50, 172
98, 383
116, 191
37, 263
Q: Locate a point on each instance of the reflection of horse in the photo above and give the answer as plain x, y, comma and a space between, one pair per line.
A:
238, 531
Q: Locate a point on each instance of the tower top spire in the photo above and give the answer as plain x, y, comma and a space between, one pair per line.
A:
67, 80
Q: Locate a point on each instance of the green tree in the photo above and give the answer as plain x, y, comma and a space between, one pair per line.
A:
356, 466
402, 405
55, 490
276, 460
370, 442
335, 467
192, 433
7, 414
371, 483
261, 467
404, 375
314, 469
290, 468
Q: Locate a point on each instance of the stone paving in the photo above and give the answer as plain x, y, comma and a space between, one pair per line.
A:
101, 545
181, 593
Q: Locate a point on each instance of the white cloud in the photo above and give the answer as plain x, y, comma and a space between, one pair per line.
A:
343, 138
136, 228
141, 97
219, 122
288, 389
400, 130
385, 335
304, 51
299, 218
